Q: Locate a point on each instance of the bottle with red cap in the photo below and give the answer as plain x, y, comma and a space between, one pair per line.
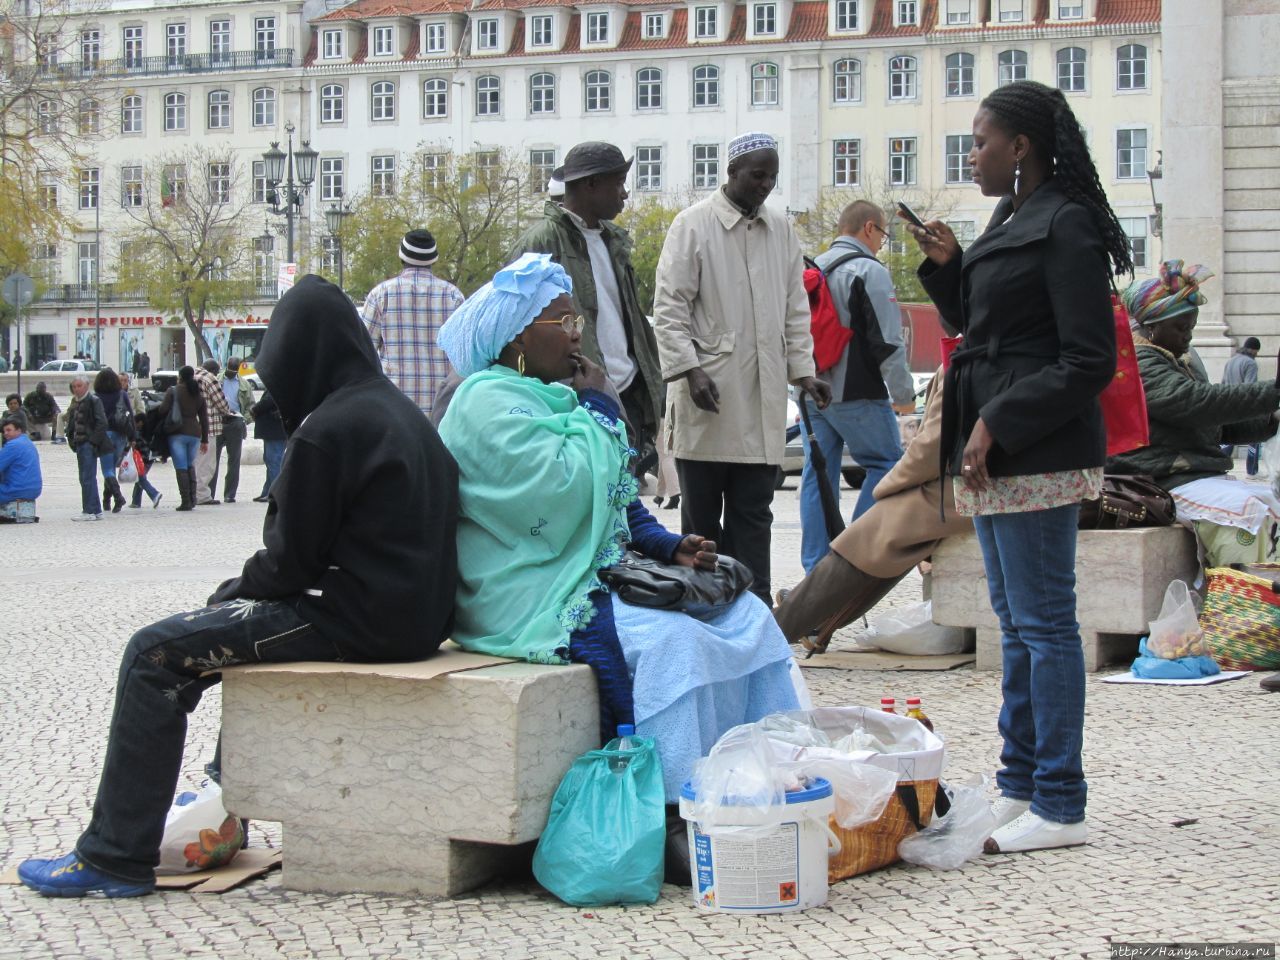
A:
886, 704
914, 711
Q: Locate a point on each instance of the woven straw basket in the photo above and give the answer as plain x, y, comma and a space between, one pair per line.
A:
875, 845
1241, 616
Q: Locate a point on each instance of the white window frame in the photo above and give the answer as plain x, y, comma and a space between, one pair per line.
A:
542, 94
89, 116
1137, 233
175, 112
649, 88
382, 101
436, 39
1132, 157
706, 23
959, 13
333, 103
764, 19
131, 114
542, 162
435, 98
598, 26
906, 13
1127, 69
90, 188
332, 179
260, 187
175, 42
706, 85
592, 88
905, 77
220, 40
382, 175
1072, 65
131, 185
706, 166
331, 46
87, 262
384, 40
960, 80
955, 158
487, 33
264, 101
655, 26
1013, 70
264, 35
648, 168
1069, 9
846, 162
904, 161
542, 30
845, 16
766, 84
90, 48
221, 110
489, 86
850, 77
1010, 11
133, 46
218, 181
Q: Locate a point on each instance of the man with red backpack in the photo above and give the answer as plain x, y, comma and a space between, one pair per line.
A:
869, 377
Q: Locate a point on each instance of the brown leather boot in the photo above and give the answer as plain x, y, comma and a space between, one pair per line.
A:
835, 594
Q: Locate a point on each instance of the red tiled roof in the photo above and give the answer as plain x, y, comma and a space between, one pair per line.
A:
1129, 11
808, 22
371, 9
312, 51
411, 48
520, 4
362, 48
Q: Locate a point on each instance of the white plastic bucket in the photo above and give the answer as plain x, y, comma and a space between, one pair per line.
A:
771, 860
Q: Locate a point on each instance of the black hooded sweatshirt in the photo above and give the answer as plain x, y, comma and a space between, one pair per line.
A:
361, 523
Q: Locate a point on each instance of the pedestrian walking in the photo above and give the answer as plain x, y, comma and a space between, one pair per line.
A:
268, 428
239, 396
403, 316
120, 429
191, 437
1023, 436
580, 235
206, 464
732, 322
143, 459
87, 434
871, 381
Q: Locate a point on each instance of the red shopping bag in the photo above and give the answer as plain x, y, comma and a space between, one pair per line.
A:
1124, 402
139, 463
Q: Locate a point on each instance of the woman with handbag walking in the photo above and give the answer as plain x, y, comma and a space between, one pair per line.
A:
186, 426
120, 429
1023, 437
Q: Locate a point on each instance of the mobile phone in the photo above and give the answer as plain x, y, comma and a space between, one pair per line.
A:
909, 215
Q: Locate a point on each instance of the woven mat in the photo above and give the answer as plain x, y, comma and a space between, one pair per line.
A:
879, 660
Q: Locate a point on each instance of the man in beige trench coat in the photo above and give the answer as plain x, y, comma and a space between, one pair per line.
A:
732, 321
914, 510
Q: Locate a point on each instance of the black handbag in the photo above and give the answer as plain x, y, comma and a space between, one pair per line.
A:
644, 582
1128, 501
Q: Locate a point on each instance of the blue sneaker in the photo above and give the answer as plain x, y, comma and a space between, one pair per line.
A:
69, 876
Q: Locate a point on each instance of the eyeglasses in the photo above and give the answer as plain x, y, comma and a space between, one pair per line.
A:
884, 234
568, 322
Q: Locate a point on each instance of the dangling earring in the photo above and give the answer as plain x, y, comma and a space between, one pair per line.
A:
520, 363
1017, 176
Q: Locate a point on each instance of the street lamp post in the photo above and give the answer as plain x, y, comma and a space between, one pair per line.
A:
333, 217
282, 166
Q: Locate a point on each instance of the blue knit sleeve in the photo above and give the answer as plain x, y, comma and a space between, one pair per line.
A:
648, 536
600, 402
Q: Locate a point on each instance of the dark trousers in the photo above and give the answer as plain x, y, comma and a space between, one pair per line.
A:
231, 440
743, 494
87, 459
160, 683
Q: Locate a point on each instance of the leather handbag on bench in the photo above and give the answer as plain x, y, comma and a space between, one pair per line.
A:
1128, 501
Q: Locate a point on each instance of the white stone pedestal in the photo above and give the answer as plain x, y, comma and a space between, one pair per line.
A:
386, 782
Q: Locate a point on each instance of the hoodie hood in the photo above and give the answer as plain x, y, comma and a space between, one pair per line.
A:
315, 345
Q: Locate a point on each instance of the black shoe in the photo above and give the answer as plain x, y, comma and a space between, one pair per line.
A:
259, 499
657, 501
228, 499
674, 503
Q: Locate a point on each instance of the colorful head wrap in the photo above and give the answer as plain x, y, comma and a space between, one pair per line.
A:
1175, 291
491, 317
749, 142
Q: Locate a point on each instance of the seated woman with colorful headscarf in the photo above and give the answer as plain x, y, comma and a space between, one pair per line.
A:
546, 502
1191, 419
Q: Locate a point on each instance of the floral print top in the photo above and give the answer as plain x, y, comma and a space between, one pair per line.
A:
1036, 491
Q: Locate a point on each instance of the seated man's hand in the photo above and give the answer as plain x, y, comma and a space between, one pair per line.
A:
696, 551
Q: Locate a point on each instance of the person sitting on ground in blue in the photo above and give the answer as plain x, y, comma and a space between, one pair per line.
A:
358, 563
20, 478
547, 502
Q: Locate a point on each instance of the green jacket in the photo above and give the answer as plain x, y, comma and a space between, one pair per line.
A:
557, 235
1191, 419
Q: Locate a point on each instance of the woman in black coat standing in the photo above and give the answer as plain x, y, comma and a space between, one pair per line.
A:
1023, 436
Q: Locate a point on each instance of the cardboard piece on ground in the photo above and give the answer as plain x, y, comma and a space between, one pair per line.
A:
251, 863
449, 659
880, 660
1197, 682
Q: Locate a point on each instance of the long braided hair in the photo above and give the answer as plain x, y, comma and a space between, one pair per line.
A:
1043, 116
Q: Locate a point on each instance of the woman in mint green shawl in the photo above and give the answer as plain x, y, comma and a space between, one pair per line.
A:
546, 501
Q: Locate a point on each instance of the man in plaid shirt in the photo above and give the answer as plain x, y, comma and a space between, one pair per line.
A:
207, 377
403, 316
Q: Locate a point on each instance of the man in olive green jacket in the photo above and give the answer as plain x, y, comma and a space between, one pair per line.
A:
596, 254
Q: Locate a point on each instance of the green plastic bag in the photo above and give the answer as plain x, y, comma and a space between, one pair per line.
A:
606, 833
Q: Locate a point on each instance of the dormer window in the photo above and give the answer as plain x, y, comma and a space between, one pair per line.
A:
1070, 9
1010, 11
765, 19
436, 38
598, 27
846, 15
706, 22
541, 31
487, 34
384, 41
332, 45
906, 13
655, 26
959, 12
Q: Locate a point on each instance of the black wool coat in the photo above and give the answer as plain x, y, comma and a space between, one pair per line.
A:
1032, 297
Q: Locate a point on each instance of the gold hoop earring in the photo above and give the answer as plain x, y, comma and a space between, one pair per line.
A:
520, 364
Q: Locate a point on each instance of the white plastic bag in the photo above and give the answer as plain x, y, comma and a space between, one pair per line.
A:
949, 842
1176, 632
127, 472
912, 632
199, 834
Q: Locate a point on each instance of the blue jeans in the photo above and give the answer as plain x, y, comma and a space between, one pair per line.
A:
143, 485
160, 682
183, 450
110, 461
870, 430
1031, 574
87, 458
273, 455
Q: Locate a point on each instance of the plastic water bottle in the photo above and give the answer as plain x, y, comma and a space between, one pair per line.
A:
625, 732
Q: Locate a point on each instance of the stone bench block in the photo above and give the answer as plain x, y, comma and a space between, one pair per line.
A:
1121, 577
389, 782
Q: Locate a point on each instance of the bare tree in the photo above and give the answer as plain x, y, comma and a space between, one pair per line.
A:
187, 251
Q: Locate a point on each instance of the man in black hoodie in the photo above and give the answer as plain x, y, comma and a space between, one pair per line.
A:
358, 563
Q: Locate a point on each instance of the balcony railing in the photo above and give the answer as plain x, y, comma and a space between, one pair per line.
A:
82, 293
161, 66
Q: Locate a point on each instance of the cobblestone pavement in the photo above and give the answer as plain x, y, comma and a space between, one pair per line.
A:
1153, 755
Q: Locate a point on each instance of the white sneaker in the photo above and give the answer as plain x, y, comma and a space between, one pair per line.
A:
1007, 809
1031, 832
79, 518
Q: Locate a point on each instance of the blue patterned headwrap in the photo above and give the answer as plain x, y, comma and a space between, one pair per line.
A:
492, 316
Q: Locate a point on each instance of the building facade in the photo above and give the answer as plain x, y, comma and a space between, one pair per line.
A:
864, 96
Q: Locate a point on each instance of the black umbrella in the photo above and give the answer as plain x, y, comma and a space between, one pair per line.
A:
830, 506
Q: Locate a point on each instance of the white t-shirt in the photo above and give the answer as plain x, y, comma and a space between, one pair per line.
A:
610, 333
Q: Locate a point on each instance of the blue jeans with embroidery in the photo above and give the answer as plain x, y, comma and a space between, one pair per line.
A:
1030, 560
160, 682
870, 430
